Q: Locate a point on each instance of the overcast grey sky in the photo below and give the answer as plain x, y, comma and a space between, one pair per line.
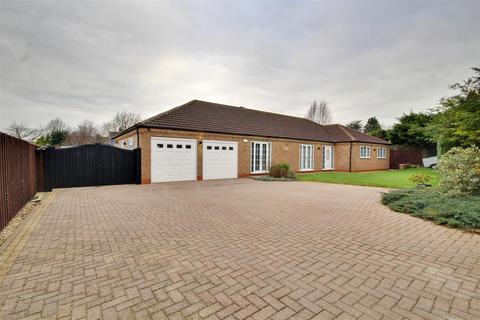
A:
86, 60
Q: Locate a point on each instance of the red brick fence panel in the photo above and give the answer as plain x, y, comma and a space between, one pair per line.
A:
405, 156
18, 176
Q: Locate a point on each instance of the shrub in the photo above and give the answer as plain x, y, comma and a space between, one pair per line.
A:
421, 178
281, 170
271, 179
458, 212
460, 171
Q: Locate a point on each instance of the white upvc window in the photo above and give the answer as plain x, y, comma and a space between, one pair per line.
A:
381, 153
130, 142
364, 152
261, 157
306, 157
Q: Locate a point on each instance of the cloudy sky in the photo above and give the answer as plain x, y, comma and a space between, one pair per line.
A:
86, 60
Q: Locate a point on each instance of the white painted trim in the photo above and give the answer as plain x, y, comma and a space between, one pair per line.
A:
332, 155
385, 153
268, 154
312, 157
369, 152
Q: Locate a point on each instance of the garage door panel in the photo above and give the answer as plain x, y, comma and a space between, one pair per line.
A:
173, 159
220, 159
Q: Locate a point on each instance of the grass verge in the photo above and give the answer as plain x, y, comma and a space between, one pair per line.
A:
430, 204
387, 179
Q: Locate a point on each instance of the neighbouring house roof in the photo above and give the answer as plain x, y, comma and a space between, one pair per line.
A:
202, 116
113, 134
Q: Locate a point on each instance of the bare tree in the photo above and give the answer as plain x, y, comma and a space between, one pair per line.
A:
21, 131
86, 132
18, 130
56, 132
121, 121
56, 125
319, 112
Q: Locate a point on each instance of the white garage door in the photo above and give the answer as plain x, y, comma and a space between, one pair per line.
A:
219, 159
173, 159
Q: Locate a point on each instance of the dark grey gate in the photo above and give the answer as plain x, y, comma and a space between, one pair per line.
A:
91, 165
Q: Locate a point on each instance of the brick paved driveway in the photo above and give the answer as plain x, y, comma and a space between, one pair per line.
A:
233, 250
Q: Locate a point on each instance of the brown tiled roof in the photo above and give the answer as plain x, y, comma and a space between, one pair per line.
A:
199, 115
205, 116
341, 133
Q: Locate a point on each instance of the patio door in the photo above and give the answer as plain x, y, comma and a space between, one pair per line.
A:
261, 157
327, 158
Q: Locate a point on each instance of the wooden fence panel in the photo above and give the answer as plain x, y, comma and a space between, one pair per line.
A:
18, 176
405, 156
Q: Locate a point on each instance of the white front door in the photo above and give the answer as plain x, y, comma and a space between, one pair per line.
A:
173, 159
220, 159
327, 157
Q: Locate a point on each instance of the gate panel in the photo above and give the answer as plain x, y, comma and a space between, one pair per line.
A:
89, 165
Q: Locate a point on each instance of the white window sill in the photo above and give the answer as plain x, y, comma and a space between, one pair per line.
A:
305, 170
364, 157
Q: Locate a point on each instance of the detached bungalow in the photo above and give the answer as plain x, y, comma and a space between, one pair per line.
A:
202, 140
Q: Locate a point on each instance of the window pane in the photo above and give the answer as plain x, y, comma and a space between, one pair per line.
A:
270, 154
257, 157
209, 147
310, 157
264, 157
179, 146
169, 146
307, 157
252, 161
302, 157
188, 146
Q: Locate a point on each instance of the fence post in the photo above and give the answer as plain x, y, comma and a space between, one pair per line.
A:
48, 168
96, 151
40, 169
138, 165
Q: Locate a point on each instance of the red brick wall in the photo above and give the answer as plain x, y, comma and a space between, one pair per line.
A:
283, 150
342, 157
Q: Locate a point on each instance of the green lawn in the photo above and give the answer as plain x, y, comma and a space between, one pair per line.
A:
387, 179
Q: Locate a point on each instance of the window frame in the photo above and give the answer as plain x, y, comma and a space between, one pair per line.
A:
303, 165
383, 154
253, 156
367, 154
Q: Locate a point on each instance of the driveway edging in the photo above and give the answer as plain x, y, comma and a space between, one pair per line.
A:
12, 248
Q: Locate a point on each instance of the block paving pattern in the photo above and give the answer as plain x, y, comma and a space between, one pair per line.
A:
236, 249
